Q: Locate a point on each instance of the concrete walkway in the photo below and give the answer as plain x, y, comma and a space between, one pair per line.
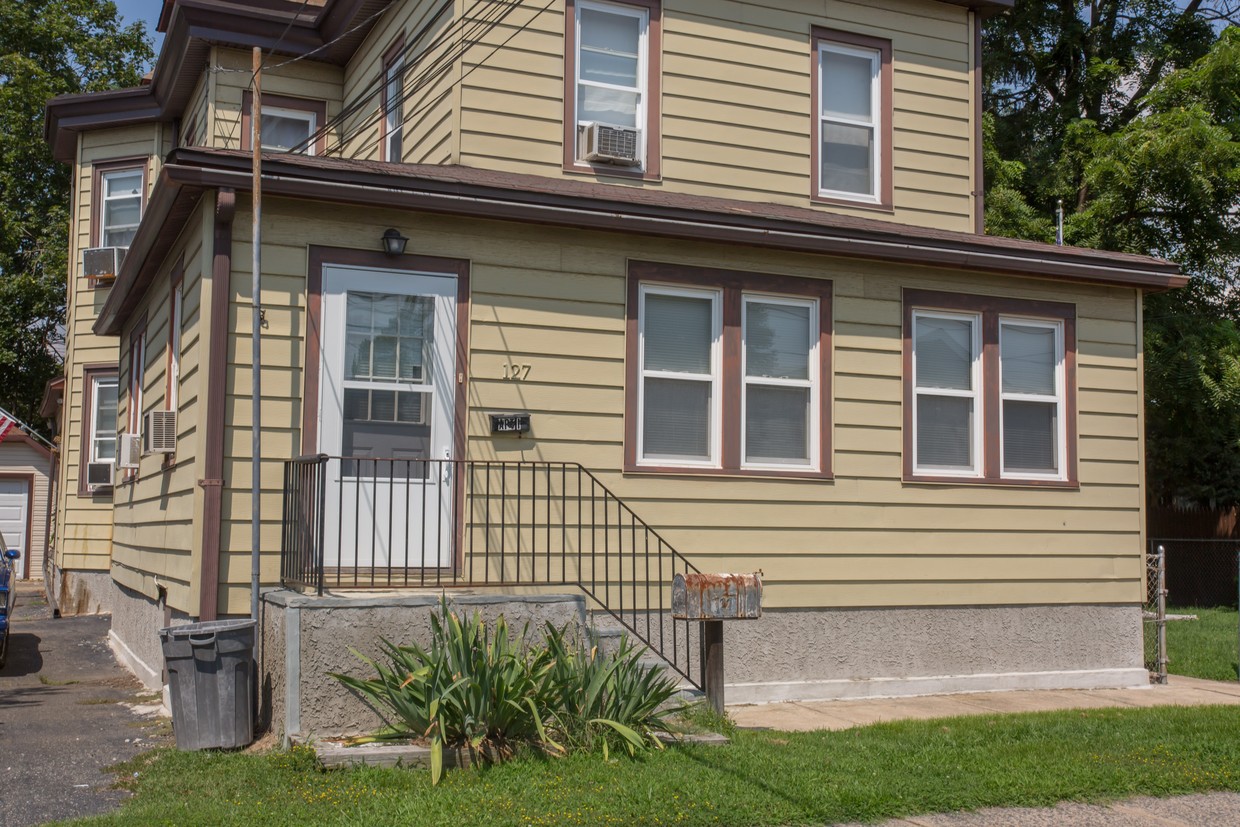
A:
1207, 810
810, 715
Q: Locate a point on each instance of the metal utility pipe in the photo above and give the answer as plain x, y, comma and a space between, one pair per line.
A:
256, 143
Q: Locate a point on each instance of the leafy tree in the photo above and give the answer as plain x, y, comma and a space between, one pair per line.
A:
47, 48
1130, 113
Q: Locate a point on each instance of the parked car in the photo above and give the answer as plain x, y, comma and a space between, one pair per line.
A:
8, 593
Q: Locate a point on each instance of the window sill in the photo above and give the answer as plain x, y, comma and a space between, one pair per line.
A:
733, 473
871, 206
608, 171
997, 482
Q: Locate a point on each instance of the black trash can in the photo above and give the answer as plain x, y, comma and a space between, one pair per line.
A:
211, 679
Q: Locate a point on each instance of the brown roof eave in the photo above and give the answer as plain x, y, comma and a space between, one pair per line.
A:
52, 393
813, 232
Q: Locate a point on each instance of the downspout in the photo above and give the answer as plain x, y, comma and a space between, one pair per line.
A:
256, 521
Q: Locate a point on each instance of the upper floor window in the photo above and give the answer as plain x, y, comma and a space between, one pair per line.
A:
289, 124
852, 93
393, 104
285, 130
728, 372
121, 209
611, 108
990, 392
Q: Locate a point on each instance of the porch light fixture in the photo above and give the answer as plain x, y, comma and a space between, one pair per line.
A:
393, 242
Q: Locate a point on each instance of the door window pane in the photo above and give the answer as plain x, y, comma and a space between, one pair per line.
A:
1030, 432
678, 333
676, 419
944, 431
1028, 360
777, 424
777, 340
943, 351
385, 424
387, 336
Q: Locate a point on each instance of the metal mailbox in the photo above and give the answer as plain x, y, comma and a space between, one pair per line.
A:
717, 596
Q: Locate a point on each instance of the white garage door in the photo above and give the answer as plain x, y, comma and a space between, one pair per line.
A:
14, 502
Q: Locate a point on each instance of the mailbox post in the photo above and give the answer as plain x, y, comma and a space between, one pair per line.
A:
712, 599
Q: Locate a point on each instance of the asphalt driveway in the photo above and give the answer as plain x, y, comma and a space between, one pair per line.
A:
66, 713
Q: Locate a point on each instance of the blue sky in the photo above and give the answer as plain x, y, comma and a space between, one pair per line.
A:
146, 11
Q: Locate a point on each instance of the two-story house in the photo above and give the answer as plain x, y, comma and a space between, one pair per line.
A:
572, 295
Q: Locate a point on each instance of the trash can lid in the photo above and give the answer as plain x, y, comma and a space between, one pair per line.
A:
208, 627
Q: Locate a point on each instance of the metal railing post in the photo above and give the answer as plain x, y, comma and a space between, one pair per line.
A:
1162, 614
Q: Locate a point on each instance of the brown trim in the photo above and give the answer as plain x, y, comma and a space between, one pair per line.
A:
89, 374
734, 284
212, 483
979, 172
392, 54
135, 381
27, 552
537, 200
318, 108
819, 34
98, 168
176, 313
991, 308
321, 257
652, 170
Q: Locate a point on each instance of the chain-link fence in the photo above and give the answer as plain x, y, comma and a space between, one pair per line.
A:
1192, 625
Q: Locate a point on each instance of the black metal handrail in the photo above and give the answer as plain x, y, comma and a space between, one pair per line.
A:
365, 522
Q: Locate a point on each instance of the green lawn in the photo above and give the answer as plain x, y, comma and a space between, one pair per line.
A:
762, 778
1202, 648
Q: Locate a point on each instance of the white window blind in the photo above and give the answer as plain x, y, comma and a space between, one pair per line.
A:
283, 129
947, 400
849, 104
680, 332
780, 337
1031, 356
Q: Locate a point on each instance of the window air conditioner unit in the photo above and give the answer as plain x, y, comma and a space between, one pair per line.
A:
129, 450
159, 432
603, 143
102, 263
99, 475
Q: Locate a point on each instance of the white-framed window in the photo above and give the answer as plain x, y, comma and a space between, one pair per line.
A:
394, 109
781, 397
612, 60
121, 209
284, 129
680, 363
947, 393
1032, 398
174, 347
849, 121
103, 402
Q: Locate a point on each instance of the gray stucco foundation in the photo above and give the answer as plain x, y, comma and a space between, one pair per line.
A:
134, 637
789, 654
74, 592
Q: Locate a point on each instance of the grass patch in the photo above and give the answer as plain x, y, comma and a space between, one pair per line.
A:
46, 681
1203, 648
762, 778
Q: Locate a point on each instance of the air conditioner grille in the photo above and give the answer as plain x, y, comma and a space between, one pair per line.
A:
618, 143
102, 262
159, 435
99, 475
610, 144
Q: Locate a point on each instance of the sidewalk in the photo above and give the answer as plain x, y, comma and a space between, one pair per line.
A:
810, 715
1207, 810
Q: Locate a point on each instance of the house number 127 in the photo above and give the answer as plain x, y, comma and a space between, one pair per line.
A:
516, 373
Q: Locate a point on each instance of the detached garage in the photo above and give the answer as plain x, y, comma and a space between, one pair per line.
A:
24, 469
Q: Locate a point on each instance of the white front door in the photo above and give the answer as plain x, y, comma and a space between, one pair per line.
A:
14, 515
386, 412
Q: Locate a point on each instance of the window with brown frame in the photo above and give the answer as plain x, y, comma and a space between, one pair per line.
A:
392, 99
289, 124
852, 93
137, 375
727, 372
118, 197
611, 87
989, 389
